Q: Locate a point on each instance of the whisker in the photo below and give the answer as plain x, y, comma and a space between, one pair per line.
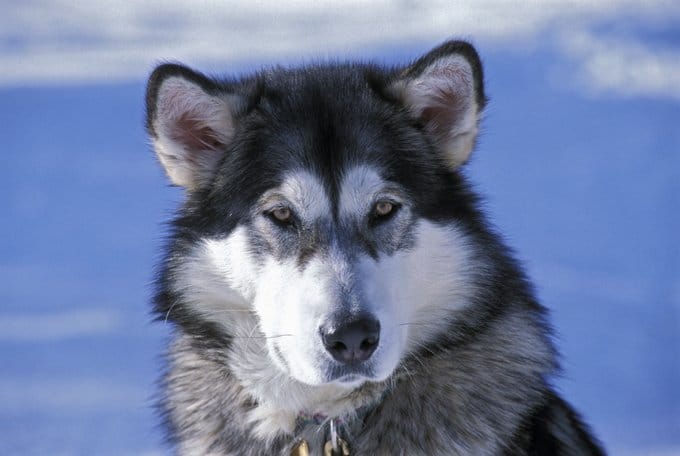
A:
167, 314
250, 336
232, 310
214, 312
263, 337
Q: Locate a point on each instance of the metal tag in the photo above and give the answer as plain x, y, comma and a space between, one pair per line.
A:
301, 449
341, 450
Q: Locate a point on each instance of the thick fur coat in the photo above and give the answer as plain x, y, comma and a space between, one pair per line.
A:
331, 267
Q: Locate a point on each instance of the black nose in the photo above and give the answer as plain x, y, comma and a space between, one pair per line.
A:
352, 340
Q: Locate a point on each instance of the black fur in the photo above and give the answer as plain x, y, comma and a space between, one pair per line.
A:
553, 428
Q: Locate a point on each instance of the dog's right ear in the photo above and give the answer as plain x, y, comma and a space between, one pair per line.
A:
190, 121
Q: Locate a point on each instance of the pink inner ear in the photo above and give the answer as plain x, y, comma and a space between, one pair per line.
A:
194, 135
443, 96
443, 111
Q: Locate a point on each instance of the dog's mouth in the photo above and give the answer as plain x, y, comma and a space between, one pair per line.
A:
352, 375
351, 380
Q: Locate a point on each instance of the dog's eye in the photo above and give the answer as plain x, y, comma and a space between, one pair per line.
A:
282, 216
383, 210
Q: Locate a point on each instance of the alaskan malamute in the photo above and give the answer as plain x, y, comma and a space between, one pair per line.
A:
333, 286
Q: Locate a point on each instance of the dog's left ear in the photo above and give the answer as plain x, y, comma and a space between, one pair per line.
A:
444, 89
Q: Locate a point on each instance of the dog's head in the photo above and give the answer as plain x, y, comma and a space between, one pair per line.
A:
325, 204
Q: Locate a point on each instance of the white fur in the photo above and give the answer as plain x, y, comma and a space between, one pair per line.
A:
217, 278
415, 291
290, 304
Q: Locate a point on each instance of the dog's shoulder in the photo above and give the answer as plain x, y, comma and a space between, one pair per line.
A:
554, 428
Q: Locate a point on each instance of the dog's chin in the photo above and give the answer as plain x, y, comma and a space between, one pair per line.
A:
336, 376
343, 377
348, 381
345, 381
351, 381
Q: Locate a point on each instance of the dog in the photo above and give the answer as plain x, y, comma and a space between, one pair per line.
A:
332, 284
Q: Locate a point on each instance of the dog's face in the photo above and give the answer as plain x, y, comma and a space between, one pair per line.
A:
323, 204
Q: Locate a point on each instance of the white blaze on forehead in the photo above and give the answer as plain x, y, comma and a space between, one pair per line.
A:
306, 192
358, 188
